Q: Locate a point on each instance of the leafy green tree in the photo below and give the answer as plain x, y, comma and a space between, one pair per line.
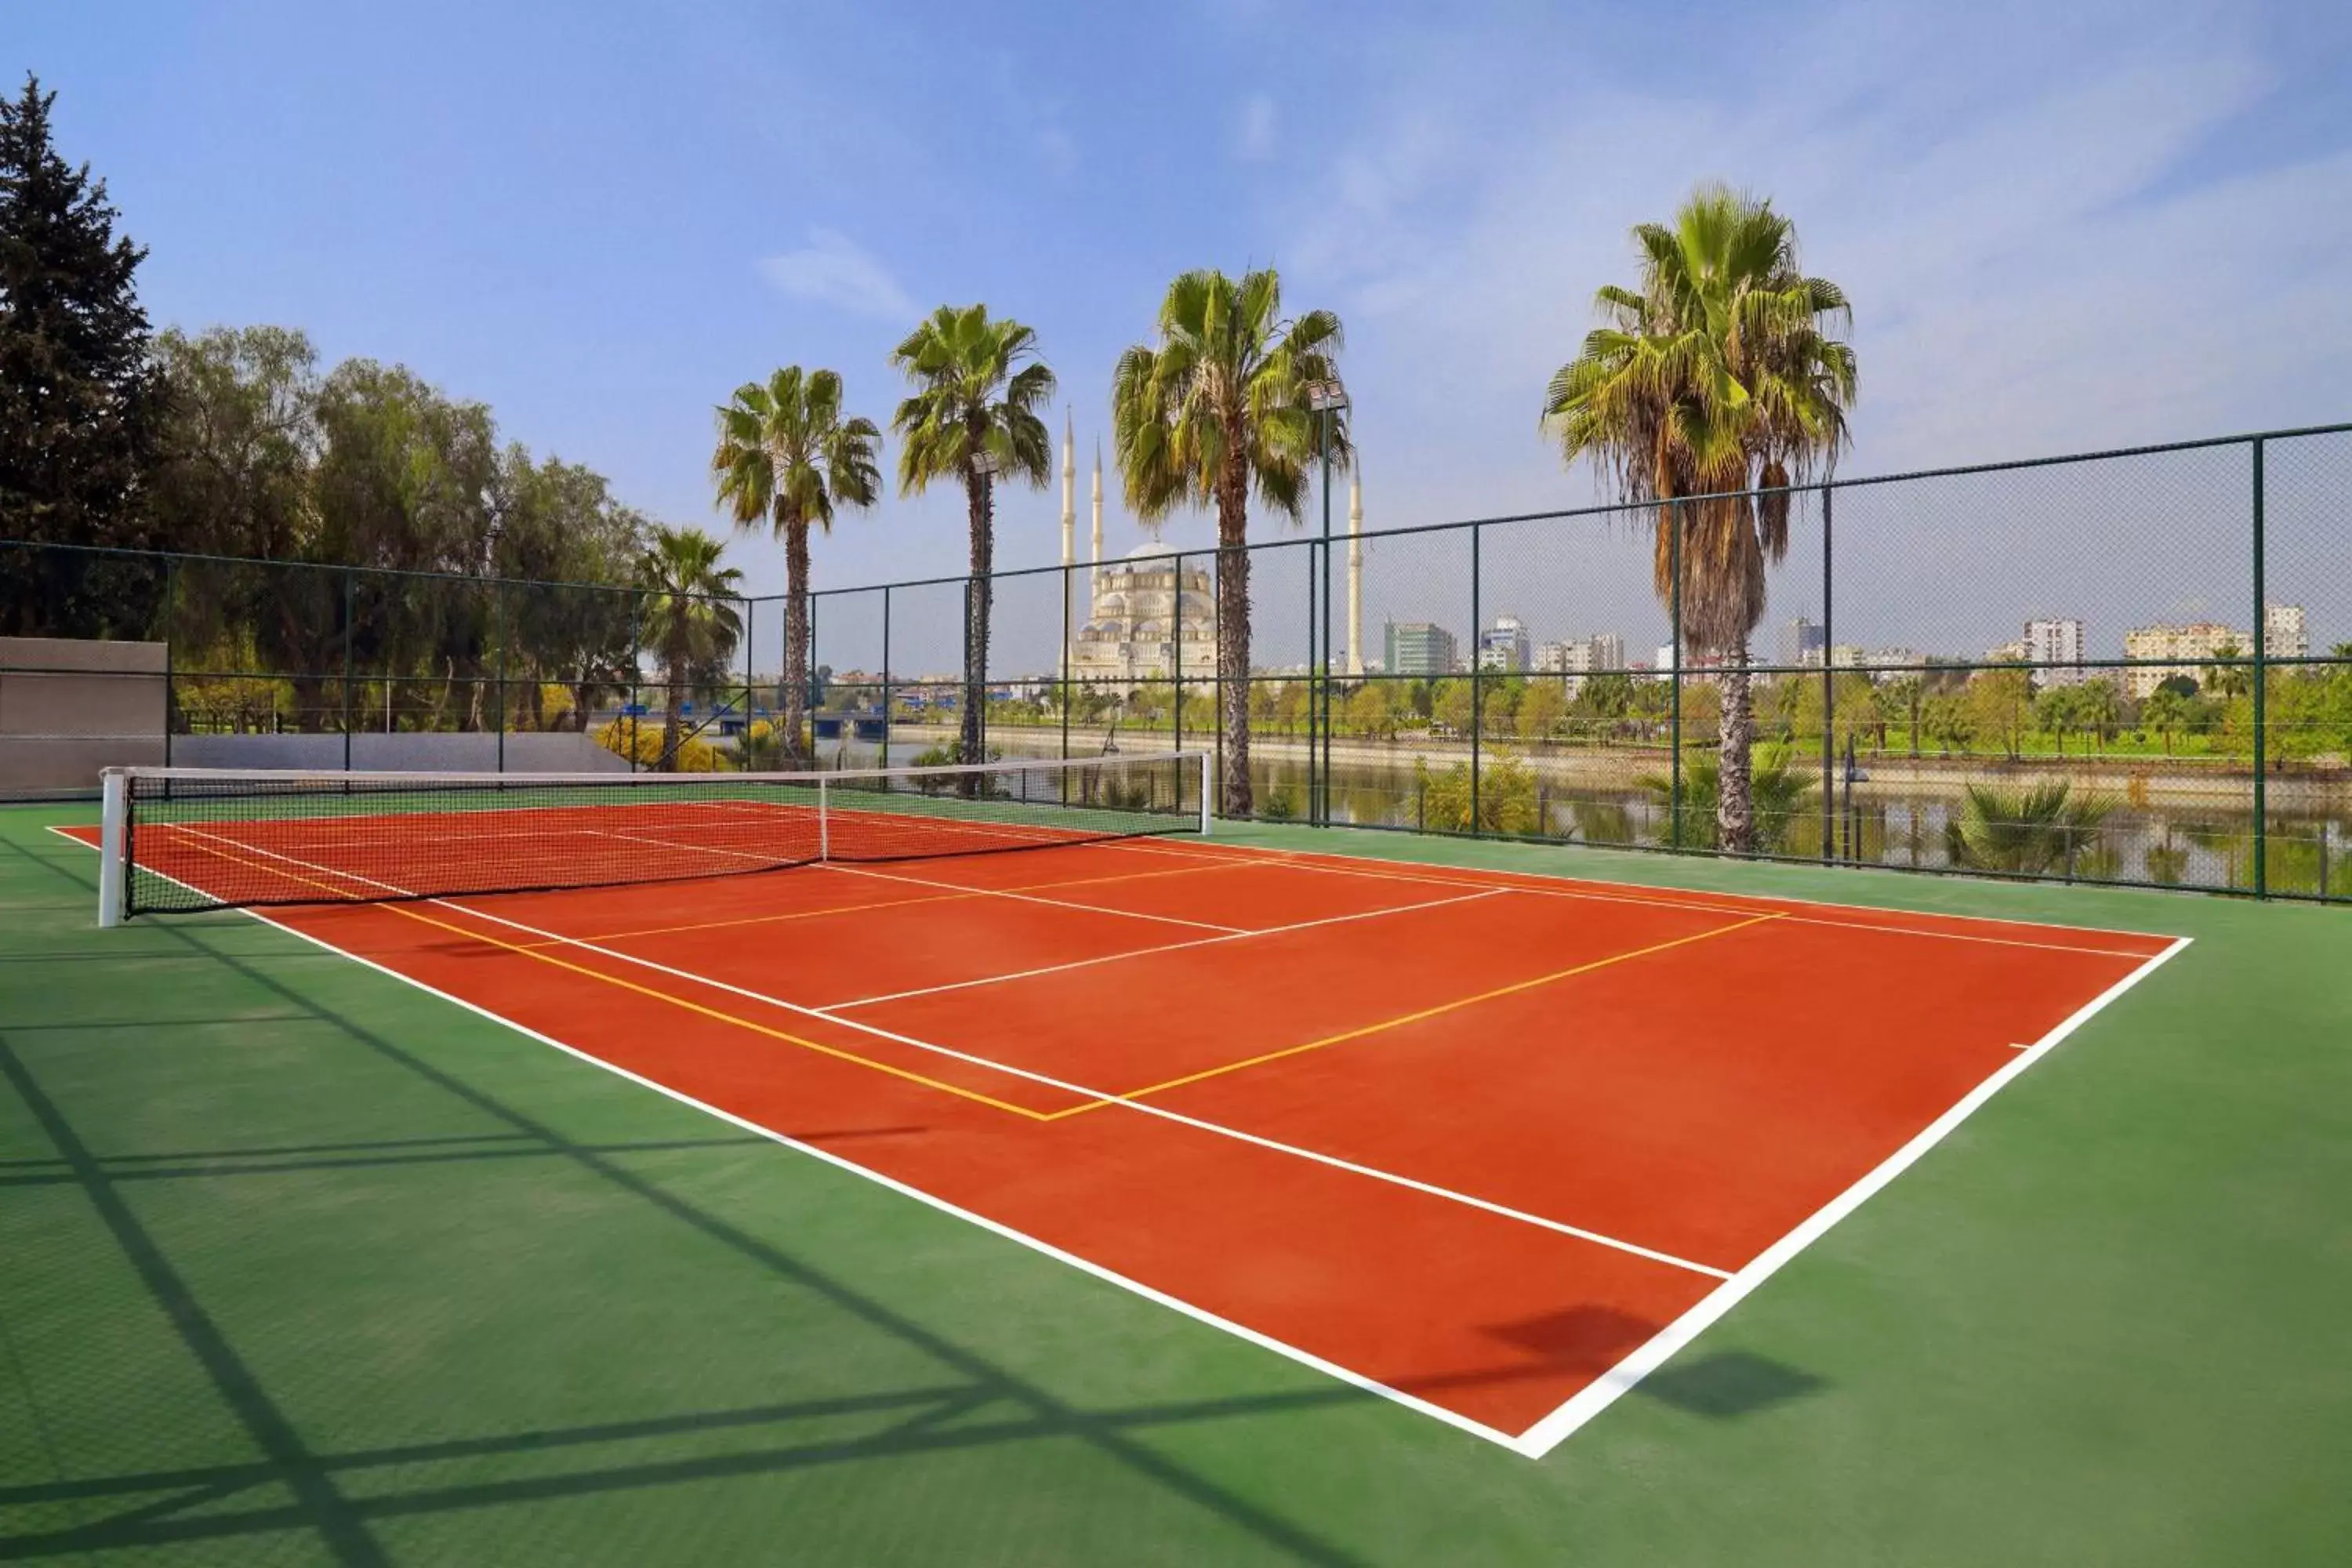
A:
1717, 377
2000, 705
788, 456
2224, 679
1949, 720
1507, 801
1451, 704
1216, 408
1609, 695
973, 418
2168, 713
558, 534
2055, 711
1499, 707
1904, 695
1541, 709
1372, 710
689, 617
81, 404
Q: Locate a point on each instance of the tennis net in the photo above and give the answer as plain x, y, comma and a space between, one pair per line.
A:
178, 840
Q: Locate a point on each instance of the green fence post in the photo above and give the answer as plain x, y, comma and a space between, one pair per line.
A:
1673, 523
1477, 692
886, 675
350, 634
1313, 774
751, 637
171, 682
1828, 692
636, 631
1176, 630
498, 617
2262, 680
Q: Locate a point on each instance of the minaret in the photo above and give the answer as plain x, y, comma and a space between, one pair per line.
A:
1356, 574
1097, 556
1069, 528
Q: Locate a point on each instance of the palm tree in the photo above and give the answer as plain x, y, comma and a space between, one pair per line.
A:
1716, 378
786, 455
1218, 406
973, 416
688, 615
2027, 830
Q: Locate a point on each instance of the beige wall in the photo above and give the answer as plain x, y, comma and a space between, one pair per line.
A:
70, 707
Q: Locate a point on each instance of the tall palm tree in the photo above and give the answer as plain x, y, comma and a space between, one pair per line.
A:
786, 456
687, 616
1219, 406
973, 418
1719, 375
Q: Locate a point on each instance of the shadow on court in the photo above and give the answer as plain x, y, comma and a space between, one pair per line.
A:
347, 1502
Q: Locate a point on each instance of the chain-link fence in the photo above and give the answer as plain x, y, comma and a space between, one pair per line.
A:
2130, 667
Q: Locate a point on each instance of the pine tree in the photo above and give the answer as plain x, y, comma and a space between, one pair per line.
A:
80, 396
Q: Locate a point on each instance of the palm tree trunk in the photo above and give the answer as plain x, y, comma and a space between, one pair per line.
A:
1234, 634
1735, 806
796, 638
978, 592
675, 695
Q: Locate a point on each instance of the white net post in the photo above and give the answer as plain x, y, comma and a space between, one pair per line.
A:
823, 821
114, 786
1201, 760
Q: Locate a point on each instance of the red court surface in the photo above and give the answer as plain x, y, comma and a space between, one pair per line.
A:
1491, 1144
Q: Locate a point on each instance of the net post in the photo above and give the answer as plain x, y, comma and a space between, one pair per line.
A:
823, 819
1201, 760
114, 789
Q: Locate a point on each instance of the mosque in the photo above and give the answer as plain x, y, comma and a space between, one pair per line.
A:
1139, 622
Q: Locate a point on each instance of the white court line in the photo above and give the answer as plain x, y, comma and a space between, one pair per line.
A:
1080, 1091
1551, 1430
848, 870
1151, 952
1083, 1265
1604, 1391
1299, 859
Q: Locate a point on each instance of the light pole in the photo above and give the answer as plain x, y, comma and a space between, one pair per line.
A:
1326, 397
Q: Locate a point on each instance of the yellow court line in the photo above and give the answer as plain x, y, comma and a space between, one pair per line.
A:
883, 904
1397, 1023
713, 1013
695, 1007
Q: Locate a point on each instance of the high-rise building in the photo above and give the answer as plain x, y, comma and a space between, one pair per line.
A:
1417, 647
2183, 650
2053, 645
1803, 642
1505, 646
2285, 633
1577, 657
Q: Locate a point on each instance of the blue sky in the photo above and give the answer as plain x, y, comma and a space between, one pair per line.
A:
2063, 226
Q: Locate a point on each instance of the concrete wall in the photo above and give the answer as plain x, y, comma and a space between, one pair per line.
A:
70, 707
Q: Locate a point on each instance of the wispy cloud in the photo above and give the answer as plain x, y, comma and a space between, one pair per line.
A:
833, 269
1254, 138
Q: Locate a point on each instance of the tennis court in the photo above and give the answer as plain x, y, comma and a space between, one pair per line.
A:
309, 1263
1490, 1145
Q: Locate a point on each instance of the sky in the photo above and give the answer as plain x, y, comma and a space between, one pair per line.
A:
2063, 227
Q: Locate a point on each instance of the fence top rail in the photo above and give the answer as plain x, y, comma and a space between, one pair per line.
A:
485, 580
512, 782
1824, 486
